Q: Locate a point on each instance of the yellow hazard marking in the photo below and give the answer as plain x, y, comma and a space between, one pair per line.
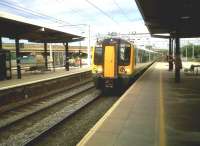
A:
162, 139
109, 61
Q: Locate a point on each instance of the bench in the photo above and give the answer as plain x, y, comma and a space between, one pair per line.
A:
36, 68
192, 69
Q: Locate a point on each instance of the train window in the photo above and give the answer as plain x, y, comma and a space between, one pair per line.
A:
145, 56
98, 55
124, 55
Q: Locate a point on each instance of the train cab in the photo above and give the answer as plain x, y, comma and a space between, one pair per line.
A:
115, 62
113, 59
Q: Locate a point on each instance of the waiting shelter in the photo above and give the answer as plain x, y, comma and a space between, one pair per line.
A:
18, 28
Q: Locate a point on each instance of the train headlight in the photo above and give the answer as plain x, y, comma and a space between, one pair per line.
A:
128, 71
99, 69
94, 69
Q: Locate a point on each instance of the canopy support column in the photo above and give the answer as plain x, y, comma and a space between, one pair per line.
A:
0, 42
80, 55
178, 63
66, 56
45, 56
170, 58
18, 58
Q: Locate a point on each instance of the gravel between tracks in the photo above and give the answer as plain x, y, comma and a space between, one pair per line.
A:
46, 123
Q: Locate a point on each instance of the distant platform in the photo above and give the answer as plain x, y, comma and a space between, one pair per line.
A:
35, 77
154, 111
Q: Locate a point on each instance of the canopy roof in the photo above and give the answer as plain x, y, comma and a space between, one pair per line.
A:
15, 27
176, 17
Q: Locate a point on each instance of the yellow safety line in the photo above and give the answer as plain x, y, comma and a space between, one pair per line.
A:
91, 132
162, 139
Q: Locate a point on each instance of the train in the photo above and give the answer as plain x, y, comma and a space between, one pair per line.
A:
116, 61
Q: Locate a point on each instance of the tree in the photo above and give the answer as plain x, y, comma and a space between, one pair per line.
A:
189, 48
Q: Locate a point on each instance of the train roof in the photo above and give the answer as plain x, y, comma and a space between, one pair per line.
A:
118, 39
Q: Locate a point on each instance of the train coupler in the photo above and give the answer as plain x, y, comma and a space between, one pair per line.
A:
109, 83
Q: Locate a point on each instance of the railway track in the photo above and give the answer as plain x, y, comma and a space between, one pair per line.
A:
22, 125
26, 124
71, 130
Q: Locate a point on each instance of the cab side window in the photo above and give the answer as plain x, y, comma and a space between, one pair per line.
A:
124, 54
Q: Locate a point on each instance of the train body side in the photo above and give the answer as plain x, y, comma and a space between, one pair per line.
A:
115, 61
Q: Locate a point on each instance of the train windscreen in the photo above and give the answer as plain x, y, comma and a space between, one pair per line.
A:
98, 55
124, 55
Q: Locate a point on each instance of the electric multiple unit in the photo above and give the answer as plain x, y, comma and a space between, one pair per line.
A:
115, 62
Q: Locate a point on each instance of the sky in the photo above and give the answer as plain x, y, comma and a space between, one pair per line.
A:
80, 16
103, 16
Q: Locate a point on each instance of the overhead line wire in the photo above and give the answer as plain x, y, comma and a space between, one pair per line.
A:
122, 11
17, 7
41, 15
103, 12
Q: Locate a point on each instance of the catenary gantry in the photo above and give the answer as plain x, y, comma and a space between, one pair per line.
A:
15, 27
177, 18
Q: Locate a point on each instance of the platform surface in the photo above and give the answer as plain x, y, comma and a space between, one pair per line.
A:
38, 77
154, 111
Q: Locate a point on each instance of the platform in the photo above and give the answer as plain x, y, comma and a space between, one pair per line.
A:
39, 77
154, 111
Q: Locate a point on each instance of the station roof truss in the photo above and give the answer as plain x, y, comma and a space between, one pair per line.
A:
175, 17
13, 27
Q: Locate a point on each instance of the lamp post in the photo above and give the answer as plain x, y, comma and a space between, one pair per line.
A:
89, 48
80, 56
88, 34
88, 37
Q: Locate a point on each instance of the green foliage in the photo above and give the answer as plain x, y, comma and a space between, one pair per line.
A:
189, 49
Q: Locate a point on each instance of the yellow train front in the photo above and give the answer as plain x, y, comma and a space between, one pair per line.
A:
114, 63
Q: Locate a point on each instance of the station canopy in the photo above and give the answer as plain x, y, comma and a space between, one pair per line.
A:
175, 17
13, 27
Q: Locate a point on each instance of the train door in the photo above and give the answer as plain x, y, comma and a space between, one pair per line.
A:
109, 62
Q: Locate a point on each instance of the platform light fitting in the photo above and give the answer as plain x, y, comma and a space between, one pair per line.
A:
42, 29
185, 17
